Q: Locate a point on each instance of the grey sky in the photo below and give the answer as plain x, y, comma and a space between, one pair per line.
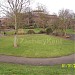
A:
56, 5
53, 5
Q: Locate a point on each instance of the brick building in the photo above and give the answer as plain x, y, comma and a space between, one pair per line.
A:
37, 17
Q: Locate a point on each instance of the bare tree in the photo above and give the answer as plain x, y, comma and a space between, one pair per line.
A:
65, 17
15, 7
42, 11
73, 21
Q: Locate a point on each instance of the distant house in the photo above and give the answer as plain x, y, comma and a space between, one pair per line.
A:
34, 18
3, 22
40, 17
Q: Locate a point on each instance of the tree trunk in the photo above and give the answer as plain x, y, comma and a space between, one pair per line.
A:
74, 28
15, 41
15, 37
65, 30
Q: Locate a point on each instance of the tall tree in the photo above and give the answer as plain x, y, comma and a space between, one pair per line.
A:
73, 21
43, 13
65, 17
15, 7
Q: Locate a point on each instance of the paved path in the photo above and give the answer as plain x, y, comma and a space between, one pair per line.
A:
72, 37
38, 61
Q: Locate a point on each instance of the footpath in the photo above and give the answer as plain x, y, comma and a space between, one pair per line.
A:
38, 61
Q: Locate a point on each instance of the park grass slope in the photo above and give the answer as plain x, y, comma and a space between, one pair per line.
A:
37, 45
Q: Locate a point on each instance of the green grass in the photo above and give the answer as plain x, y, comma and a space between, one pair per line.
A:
16, 69
12, 32
37, 45
36, 30
70, 31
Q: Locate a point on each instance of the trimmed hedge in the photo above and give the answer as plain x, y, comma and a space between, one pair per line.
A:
42, 32
49, 31
30, 32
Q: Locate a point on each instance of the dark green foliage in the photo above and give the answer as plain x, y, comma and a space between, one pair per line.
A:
35, 26
42, 32
30, 32
4, 33
49, 31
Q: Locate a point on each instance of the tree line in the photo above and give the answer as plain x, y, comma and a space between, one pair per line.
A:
20, 15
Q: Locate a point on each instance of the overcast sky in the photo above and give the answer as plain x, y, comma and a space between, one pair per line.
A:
56, 5
53, 5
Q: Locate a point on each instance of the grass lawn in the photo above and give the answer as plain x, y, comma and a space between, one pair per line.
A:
16, 69
36, 30
70, 31
12, 32
37, 45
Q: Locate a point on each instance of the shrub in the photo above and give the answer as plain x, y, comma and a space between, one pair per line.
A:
55, 33
58, 33
20, 31
42, 32
4, 33
30, 32
61, 33
49, 31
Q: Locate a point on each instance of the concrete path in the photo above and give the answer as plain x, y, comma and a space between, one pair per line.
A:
38, 61
72, 37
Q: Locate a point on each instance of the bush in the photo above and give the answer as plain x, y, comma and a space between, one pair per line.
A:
55, 33
21, 32
42, 32
4, 33
30, 32
61, 33
49, 31
58, 33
